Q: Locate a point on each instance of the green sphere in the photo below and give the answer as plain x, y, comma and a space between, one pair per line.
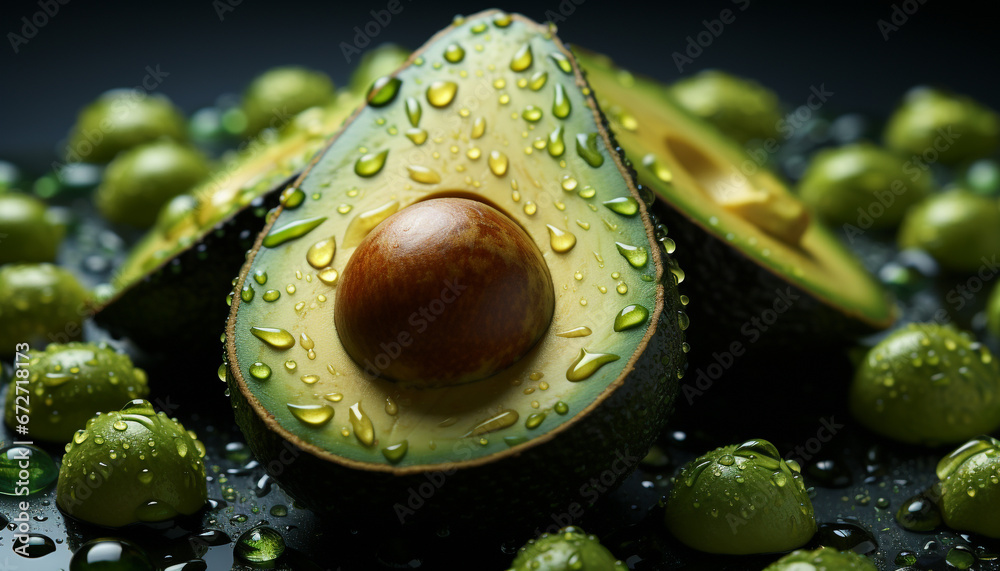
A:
822, 559
993, 312
27, 231
970, 489
278, 94
937, 126
135, 465
741, 499
68, 384
122, 119
857, 183
375, 63
141, 180
957, 228
39, 303
569, 549
928, 384
740, 108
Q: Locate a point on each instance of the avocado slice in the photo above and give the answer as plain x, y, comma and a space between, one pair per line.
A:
760, 268
177, 276
473, 297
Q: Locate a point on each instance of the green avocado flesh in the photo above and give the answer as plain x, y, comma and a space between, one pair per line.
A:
492, 109
728, 198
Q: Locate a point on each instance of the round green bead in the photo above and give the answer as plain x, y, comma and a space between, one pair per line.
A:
938, 126
39, 303
68, 384
15, 460
861, 182
377, 62
957, 228
110, 554
131, 466
278, 94
970, 487
121, 119
740, 108
261, 544
28, 233
569, 549
741, 499
822, 559
927, 384
141, 180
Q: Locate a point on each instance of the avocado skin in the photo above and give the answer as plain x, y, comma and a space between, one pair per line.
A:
527, 487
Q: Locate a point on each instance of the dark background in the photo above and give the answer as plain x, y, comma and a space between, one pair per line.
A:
91, 46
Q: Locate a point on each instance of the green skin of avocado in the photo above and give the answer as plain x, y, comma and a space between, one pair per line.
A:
977, 513
741, 499
938, 126
993, 312
927, 384
278, 94
39, 303
840, 182
141, 180
67, 384
822, 559
957, 228
131, 466
740, 108
122, 119
27, 232
570, 549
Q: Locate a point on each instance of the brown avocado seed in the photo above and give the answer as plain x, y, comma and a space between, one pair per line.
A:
446, 291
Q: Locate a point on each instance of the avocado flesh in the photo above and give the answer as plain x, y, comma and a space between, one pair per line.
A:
182, 271
692, 168
579, 191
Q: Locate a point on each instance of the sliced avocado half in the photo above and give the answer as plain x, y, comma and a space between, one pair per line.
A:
749, 247
484, 163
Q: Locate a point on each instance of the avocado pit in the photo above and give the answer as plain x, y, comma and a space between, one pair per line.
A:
444, 292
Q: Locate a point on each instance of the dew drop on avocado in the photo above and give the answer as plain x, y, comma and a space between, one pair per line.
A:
441, 93
42, 471
561, 408
587, 364
562, 61
561, 241
413, 111
502, 20
522, 58
631, 316
919, 513
311, 414
260, 276
582, 331
454, 53
637, 256
504, 419
478, 28
624, 205
291, 231
658, 169
273, 336
561, 106
328, 276
396, 452
291, 198
531, 114
261, 544
364, 431
271, 295
423, 174
956, 458
538, 80
586, 147
534, 420
556, 144
498, 163
365, 222
370, 164
309, 379
247, 293
320, 254
383, 91
478, 128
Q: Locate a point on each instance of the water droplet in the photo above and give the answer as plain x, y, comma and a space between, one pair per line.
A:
562, 61
309, 379
478, 128
631, 316
454, 53
320, 254
561, 241
261, 544
575, 332
561, 106
423, 174
637, 256
522, 58
275, 337
441, 93
478, 28
624, 205
291, 198
556, 145
502, 20
364, 431
291, 231
365, 222
413, 112
260, 371
395, 452
531, 114
311, 414
41, 469
658, 169
503, 419
370, 164
530, 208
587, 364
498, 163
950, 463
383, 91
586, 147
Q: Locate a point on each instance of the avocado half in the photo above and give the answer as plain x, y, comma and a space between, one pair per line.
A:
169, 293
490, 126
760, 268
